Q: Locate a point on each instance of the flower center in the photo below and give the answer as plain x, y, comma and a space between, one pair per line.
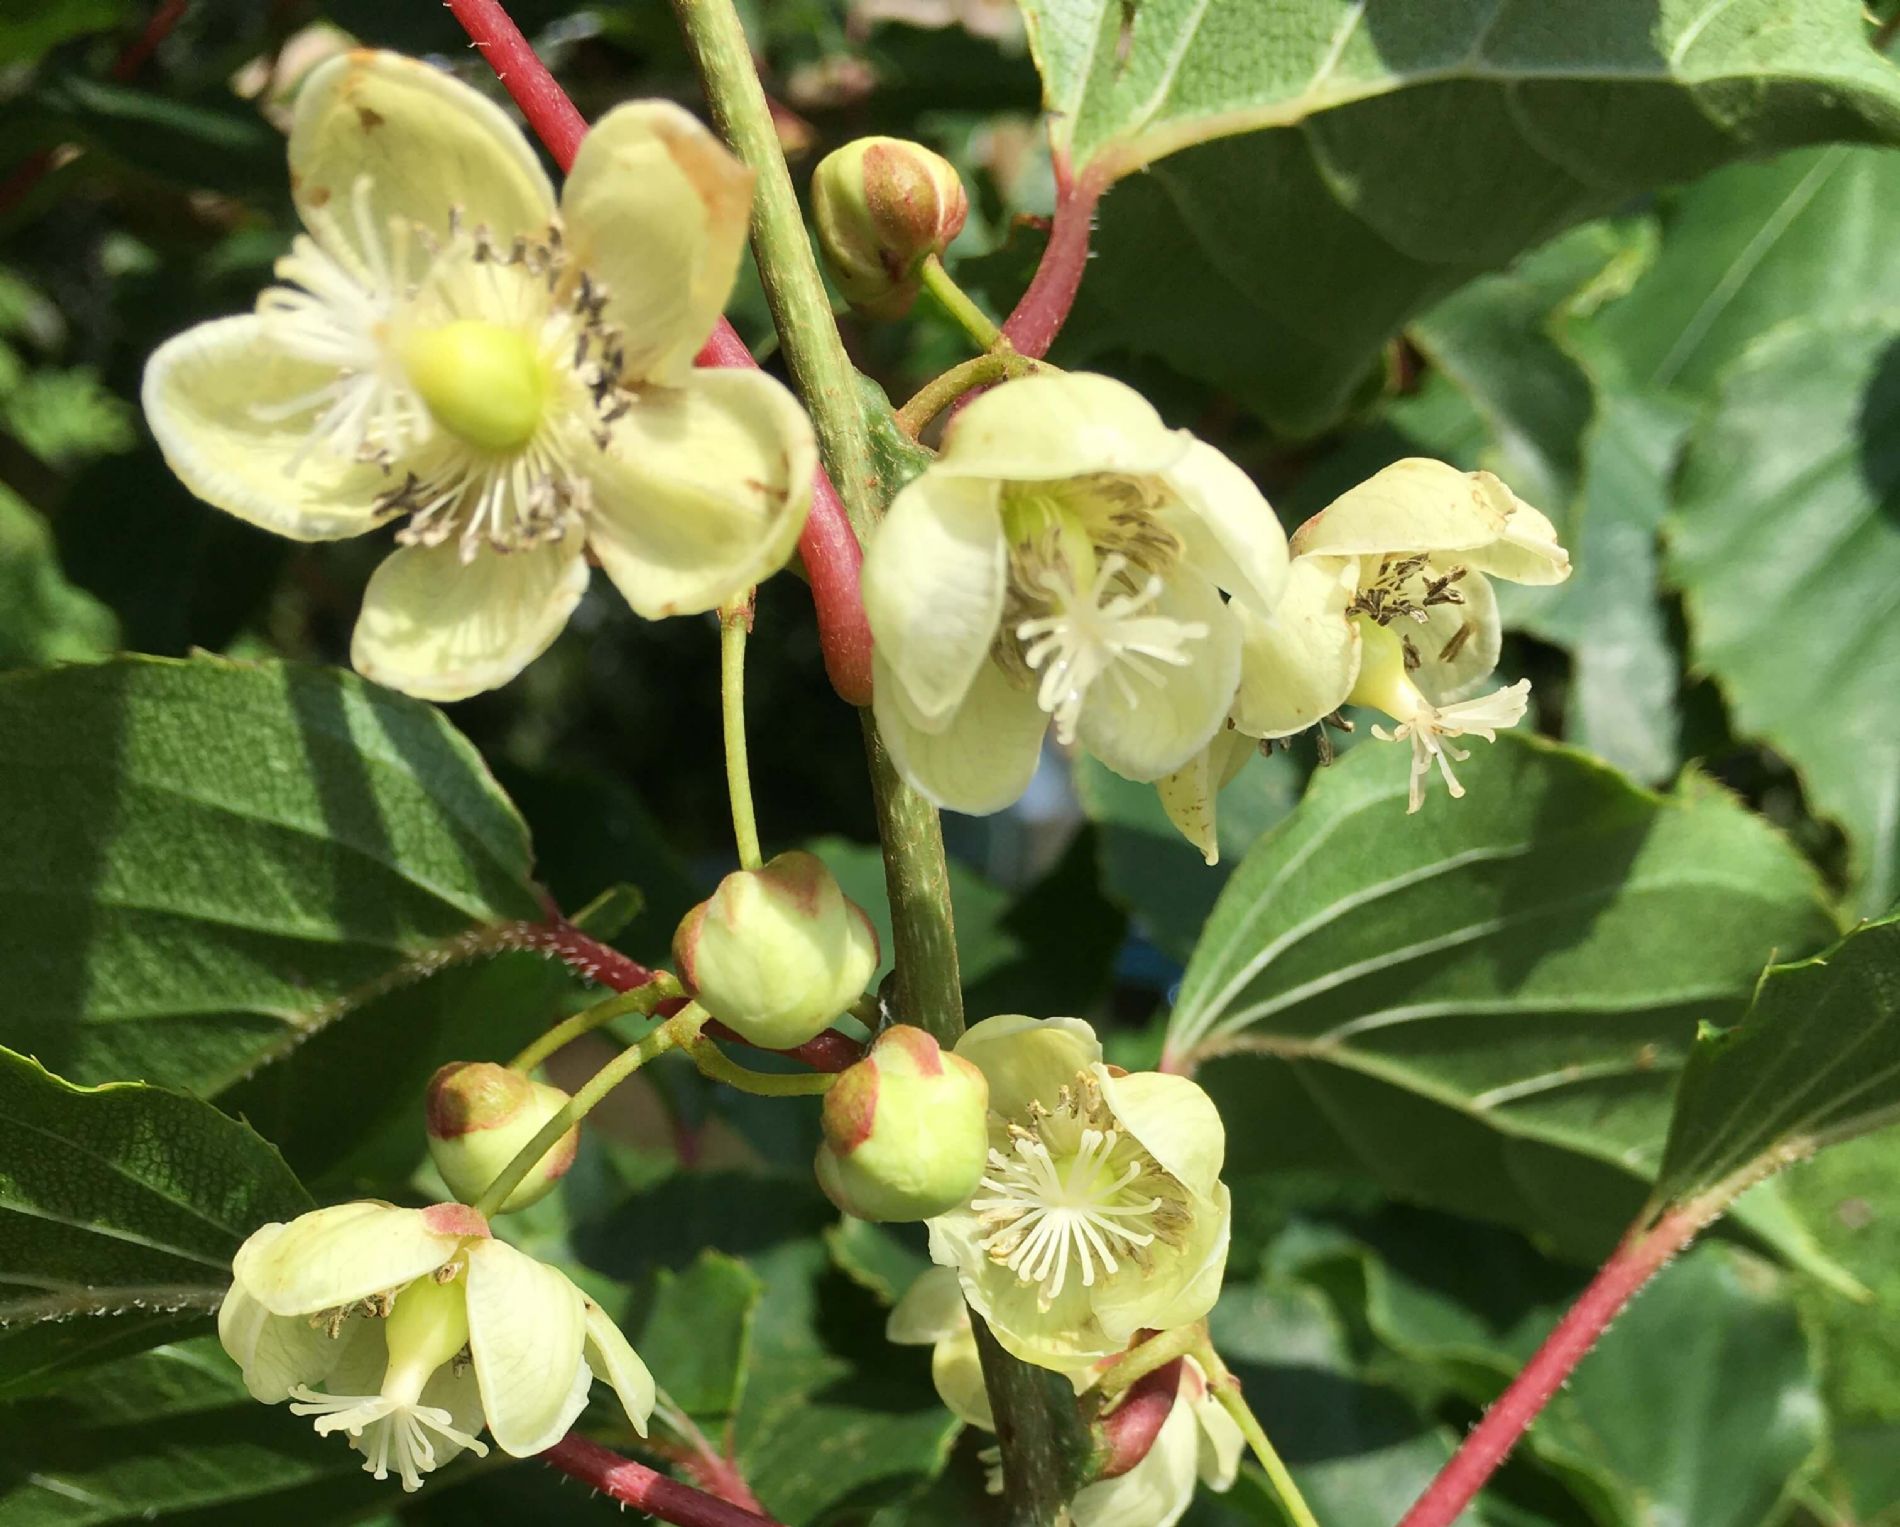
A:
1100, 631
1064, 1196
482, 382
477, 375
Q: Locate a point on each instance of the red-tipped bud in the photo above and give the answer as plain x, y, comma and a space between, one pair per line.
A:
481, 1116
776, 953
883, 206
906, 1130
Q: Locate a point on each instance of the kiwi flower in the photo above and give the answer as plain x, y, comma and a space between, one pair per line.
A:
510, 380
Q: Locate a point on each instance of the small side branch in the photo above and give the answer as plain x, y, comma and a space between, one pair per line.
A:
648, 1490
1044, 307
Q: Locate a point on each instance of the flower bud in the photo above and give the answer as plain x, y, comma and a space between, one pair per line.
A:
906, 1130
481, 1116
776, 953
884, 205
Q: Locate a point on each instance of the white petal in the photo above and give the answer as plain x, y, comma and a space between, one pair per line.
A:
1188, 795
276, 1352
1474, 654
956, 1372
702, 492
1156, 1492
333, 1257
428, 144
1223, 1444
1423, 505
1053, 425
206, 393
1175, 1121
1300, 663
438, 628
612, 1357
931, 1310
934, 579
983, 754
1230, 530
526, 1326
1148, 729
1028, 1060
657, 209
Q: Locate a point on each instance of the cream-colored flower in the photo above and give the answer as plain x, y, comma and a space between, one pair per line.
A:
1102, 1213
1389, 604
512, 382
1199, 1442
1062, 561
421, 1329
932, 1314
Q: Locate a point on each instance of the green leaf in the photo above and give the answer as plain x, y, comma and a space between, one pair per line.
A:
120, 1209
1817, 1060
698, 1333
43, 618
1317, 176
1484, 1006
172, 1434
1787, 548
32, 31
223, 859
1148, 867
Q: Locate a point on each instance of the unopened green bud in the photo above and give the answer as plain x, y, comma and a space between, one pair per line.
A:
776, 953
883, 206
481, 1116
906, 1130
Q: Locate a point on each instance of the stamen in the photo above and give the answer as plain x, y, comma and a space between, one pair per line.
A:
1096, 632
381, 1428
1431, 728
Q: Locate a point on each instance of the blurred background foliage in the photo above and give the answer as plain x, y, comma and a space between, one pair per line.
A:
1700, 385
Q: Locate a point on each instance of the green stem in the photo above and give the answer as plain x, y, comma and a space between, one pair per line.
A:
1047, 1453
801, 311
734, 624
681, 1029
1155, 1352
641, 1000
956, 302
715, 1063
939, 393
1226, 1389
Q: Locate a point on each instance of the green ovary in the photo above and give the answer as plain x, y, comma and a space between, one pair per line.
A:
483, 383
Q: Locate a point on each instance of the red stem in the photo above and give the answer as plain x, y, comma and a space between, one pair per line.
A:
1044, 307
1639, 1258
828, 545
648, 1490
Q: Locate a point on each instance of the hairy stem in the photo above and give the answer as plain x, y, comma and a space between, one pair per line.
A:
634, 1484
955, 301
1640, 1256
940, 392
734, 624
1047, 1454
1226, 1389
1044, 307
827, 545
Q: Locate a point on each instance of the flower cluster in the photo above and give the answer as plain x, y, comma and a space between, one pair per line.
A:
421, 1330
1068, 560
510, 380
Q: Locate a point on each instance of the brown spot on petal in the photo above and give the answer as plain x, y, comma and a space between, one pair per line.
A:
454, 1219
371, 119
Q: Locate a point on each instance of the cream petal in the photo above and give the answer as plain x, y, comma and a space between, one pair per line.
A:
931, 1310
1474, 653
526, 1327
702, 492
276, 1352
934, 578
1157, 1491
438, 628
1144, 730
1175, 1121
1053, 425
1183, 1283
981, 756
612, 1357
1064, 1337
1188, 795
428, 144
1229, 529
1028, 1060
1222, 1443
207, 393
1299, 664
364, 1359
460, 1394
1423, 505
333, 1257
956, 1372
657, 209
